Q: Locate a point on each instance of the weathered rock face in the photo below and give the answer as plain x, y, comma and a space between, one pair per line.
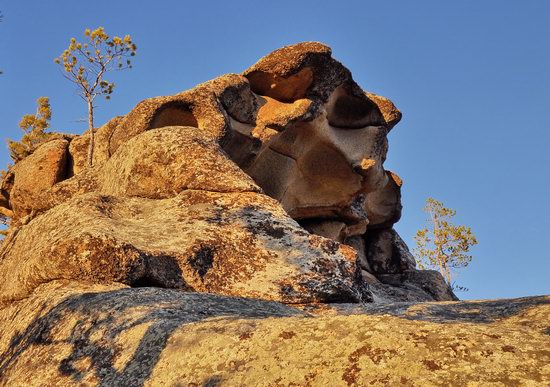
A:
322, 140
41, 170
164, 162
295, 126
109, 335
235, 244
268, 185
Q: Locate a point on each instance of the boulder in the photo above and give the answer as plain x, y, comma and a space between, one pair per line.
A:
161, 163
318, 142
387, 253
383, 205
417, 285
226, 243
45, 167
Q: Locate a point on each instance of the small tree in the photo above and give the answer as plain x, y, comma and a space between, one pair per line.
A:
34, 126
4, 224
86, 64
442, 245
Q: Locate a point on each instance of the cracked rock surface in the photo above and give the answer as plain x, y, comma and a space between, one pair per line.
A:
239, 233
111, 335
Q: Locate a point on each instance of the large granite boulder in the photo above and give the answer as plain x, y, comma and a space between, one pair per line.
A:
295, 126
227, 243
164, 162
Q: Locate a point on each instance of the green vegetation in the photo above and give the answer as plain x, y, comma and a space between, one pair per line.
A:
86, 64
442, 245
34, 127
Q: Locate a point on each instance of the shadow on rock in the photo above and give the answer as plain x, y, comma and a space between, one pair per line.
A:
98, 326
482, 312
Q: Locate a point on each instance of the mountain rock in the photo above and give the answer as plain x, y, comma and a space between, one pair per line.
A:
240, 233
38, 172
295, 126
69, 333
227, 243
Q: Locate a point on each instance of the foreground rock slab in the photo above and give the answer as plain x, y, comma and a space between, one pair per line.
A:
74, 334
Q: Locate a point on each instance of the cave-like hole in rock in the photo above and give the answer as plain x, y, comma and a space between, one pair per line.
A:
282, 89
346, 111
158, 271
68, 169
147, 282
173, 114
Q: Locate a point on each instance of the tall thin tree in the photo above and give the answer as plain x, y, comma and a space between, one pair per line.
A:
86, 64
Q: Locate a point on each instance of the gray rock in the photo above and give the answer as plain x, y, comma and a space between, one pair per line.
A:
423, 285
387, 253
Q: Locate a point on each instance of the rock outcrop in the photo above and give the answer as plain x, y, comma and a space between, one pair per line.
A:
234, 244
69, 333
47, 166
294, 127
267, 185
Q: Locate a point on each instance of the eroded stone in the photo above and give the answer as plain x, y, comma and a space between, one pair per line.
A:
294, 126
227, 243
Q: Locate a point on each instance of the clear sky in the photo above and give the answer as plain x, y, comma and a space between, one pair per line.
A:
472, 78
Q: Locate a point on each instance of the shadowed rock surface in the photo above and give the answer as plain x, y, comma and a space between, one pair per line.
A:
110, 335
267, 185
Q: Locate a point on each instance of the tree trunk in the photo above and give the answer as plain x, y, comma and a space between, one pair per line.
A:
91, 130
442, 259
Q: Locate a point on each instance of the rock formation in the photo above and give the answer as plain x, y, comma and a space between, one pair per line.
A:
198, 166
69, 333
267, 185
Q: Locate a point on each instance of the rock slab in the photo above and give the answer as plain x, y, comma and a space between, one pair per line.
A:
113, 335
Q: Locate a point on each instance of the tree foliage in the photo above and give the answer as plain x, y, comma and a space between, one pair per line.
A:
86, 65
4, 224
34, 127
442, 245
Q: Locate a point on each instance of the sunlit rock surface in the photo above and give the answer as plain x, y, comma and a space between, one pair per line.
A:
268, 185
295, 127
110, 335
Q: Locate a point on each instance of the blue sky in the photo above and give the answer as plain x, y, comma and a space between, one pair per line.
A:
472, 79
